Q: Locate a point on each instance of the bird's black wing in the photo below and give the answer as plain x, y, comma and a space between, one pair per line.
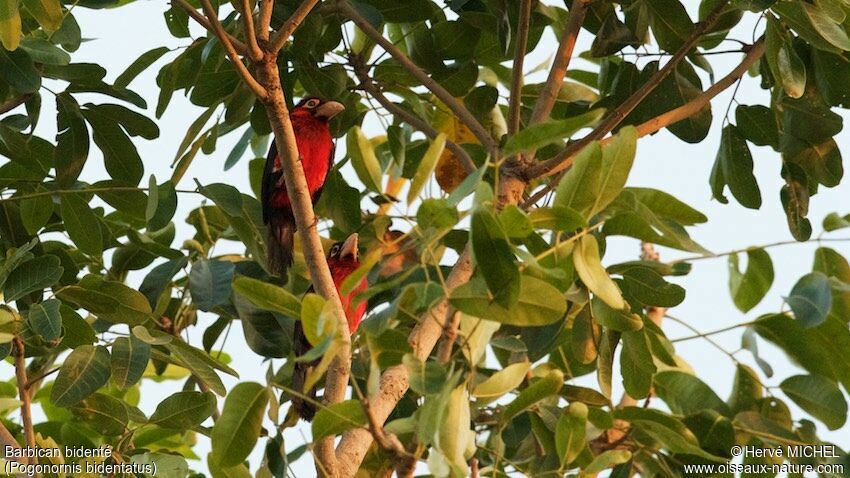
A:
270, 180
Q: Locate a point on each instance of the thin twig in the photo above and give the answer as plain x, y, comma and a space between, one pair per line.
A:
515, 102
86, 191
290, 25
370, 87
254, 51
447, 98
700, 335
202, 21
766, 246
26, 405
229, 48
564, 159
41, 377
550, 90
673, 116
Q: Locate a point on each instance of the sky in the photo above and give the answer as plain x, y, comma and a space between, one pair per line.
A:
117, 37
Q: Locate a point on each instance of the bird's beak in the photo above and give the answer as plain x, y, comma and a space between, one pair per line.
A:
349, 247
329, 109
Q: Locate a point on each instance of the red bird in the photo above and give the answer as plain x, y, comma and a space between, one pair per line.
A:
343, 259
316, 152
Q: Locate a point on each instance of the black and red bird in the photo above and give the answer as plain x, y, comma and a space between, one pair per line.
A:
316, 151
343, 259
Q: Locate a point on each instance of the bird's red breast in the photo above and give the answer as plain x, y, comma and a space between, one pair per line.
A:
354, 311
315, 149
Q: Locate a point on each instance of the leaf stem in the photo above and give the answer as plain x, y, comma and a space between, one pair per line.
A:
26, 405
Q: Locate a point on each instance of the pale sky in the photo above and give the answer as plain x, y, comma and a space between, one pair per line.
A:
119, 36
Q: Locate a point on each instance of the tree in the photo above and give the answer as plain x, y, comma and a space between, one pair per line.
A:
466, 365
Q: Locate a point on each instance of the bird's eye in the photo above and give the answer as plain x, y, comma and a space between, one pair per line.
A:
312, 104
335, 250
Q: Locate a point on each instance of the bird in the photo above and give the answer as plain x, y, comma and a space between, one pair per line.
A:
343, 259
316, 147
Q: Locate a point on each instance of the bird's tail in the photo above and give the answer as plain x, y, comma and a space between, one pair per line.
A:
305, 409
279, 244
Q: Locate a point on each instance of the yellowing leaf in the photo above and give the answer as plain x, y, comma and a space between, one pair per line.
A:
502, 381
450, 171
426, 167
48, 13
590, 270
362, 152
10, 24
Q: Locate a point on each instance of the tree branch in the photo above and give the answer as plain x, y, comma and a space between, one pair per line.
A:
564, 159
265, 19
26, 405
450, 101
370, 87
673, 116
336, 381
254, 51
550, 90
291, 24
229, 47
515, 102
202, 21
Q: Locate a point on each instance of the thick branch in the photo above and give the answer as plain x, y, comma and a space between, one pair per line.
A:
291, 24
247, 12
26, 405
563, 160
450, 101
202, 21
675, 115
550, 90
265, 20
336, 381
229, 47
370, 87
519, 66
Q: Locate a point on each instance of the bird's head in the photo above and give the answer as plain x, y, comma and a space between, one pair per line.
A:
318, 108
345, 253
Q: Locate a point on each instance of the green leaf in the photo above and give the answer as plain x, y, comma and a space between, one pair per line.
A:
337, 418
650, 289
542, 388
210, 282
501, 382
363, 158
494, 257
426, 378
104, 413
72, 140
670, 23
590, 270
598, 174
749, 288
792, 70
614, 319
129, 359
45, 320
141, 63
747, 390
796, 16
268, 296
10, 25
120, 156
77, 330
82, 224
426, 167
636, 364
42, 51
16, 67
35, 213
570, 433
828, 29
757, 123
734, 168
810, 299
48, 13
183, 410
549, 132
197, 362
675, 442
33, 275
236, 432
818, 396
835, 266
135, 124
605, 460
686, 394
830, 70
162, 203
82, 373
436, 213
108, 300
539, 303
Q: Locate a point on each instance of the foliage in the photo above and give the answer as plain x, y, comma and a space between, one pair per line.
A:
540, 308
